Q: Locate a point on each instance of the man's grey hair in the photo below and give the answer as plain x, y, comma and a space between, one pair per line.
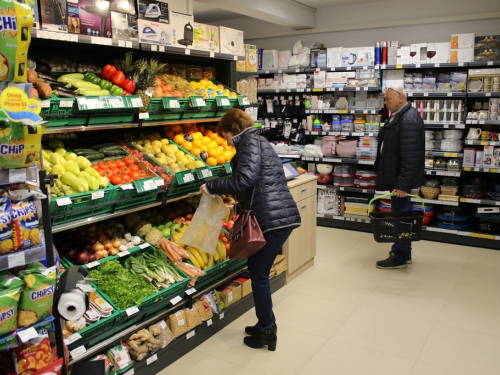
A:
398, 88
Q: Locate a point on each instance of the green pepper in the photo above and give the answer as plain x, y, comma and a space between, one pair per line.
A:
88, 76
105, 85
95, 80
115, 90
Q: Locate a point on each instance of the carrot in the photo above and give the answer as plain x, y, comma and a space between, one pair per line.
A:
181, 251
174, 253
173, 257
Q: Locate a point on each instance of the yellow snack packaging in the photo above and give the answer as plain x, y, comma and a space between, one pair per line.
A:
25, 231
6, 242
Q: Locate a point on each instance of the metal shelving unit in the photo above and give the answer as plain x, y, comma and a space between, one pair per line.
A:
444, 126
350, 189
342, 111
438, 172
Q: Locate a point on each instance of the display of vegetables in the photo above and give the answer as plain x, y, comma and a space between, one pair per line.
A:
58, 64
121, 170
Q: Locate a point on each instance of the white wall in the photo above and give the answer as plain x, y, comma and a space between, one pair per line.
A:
364, 24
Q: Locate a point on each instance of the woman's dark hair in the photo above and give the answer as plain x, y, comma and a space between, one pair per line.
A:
234, 121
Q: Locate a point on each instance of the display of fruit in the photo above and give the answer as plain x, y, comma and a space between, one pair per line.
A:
120, 171
174, 86
211, 90
75, 174
145, 74
95, 241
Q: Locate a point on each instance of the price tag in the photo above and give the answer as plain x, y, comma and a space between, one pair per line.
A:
78, 352
143, 115
348, 68
163, 325
136, 102
187, 51
152, 359
45, 103
341, 89
174, 104
490, 62
449, 94
365, 67
98, 195
154, 47
132, 310
488, 94
130, 372
73, 38
209, 322
161, 48
235, 58
482, 122
115, 102
417, 65
410, 94
144, 245
461, 64
17, 176
200, 102
225, 102
188, 178
85, 288
124, 253
71, 339
358, 88
399, 66
206, 173
436, 65
190, 291
92, 264
221, 316
426, 94
174, 301
246, 101
212, 54
159, 183
27, 335
280, 71
93, 104
128, 44
121, 43
66, 104
127, 187
63, 201
190, 334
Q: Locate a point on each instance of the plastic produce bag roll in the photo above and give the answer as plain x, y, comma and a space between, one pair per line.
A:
204, 230
72, 305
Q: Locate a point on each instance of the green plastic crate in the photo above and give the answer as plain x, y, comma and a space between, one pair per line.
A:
131, 198
82, 206
236, 264
212, 274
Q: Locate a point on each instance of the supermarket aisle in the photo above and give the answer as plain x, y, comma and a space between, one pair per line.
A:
441, 316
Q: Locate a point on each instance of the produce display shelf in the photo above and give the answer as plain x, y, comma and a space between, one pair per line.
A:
143, 319
482, 122
437, 94
81, 222
342, 218
20, 258
190, 52
443, 126
343, 111
484, 94
469, 142
339, 160
444, 154
327, 89
350, 134
424, 65
343, 188
479, 169
489, 202
279, 71
340, 68
440, 172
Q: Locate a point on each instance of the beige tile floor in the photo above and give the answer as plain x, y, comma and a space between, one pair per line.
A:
441, 316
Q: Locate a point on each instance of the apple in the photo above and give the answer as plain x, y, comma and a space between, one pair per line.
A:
179, 220
165, 232
174, 227
189, 217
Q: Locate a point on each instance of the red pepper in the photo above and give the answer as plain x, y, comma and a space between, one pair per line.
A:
125, 92
107, 72
117, 78
128, 85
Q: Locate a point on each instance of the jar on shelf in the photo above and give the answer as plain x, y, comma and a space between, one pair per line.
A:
178, 70
194, 72
210, 73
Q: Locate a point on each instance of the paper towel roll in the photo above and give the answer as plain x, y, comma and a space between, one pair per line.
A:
72, 305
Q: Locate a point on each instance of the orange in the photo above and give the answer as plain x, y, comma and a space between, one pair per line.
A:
186, 125
224, 143
203, 148
195, 151
207, 132
211, 161
179, 138
169, 134
197, 135
212, 136
220, 159
201, 129
197, 142
205, 140
213, 144
220, 149
212, 151
187, 146
176, 128
218, 140
228, 155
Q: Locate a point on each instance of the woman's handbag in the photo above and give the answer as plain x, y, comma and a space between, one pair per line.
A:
246, 237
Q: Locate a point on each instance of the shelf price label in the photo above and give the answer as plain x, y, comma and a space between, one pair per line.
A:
63, 202
92, 264
221, 316
78, 352
66, 104
173, 104
174, 301
132, 310
152, 359
144, 245
209, 322
143, 115
188, 178
45, 103
136, 102
190, 335
17, 176
97, 195
27, 334
190, 291
73, 338
115, 102
124, 253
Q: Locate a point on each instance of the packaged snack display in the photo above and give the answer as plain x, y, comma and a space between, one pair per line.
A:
165, 336
108, 366
25, 225
6, 244
36, 300
10, 293
120, 358
193, 318
177, 323
34, 355
53, 369
203, 307
19, 144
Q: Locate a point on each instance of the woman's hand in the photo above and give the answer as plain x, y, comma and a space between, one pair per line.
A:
204, 190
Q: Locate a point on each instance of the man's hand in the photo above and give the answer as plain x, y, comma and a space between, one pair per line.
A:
204, 190
399, 193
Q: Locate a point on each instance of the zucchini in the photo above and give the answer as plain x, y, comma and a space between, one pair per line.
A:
109, 148
97, 147
108, 158
97, 155
84, 150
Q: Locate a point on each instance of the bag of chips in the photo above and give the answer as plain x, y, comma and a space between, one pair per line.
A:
53, 369
6, 244
25, 225
36, 300
10, 293
34, 355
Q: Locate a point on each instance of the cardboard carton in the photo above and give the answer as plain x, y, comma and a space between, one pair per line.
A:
95, 18
251, 58
153, 11
151, 32
230, 293
333, 57
182, 30
206, 37
246, 286
124, 26
462, 40
462, 55
231, 41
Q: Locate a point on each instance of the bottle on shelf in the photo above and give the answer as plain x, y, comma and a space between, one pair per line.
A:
377, 54
384, 52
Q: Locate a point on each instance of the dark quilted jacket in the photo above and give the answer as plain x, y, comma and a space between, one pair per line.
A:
400, 163
260, 167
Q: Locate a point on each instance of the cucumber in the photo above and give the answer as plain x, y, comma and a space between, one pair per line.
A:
87, 153
89, 150
96, 156
97, 147
115, 152
112, 158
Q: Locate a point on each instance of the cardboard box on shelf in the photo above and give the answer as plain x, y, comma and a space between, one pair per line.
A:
487, 54
469, 156
421, 53
318, 58
151, 32
270, 59
95, 18
442, 53
366, 56
153, 10
206, 37
240, 66
479, 158
462, 40
230, 293
231, 41
488, 156
182, 31
280, 265
123, 6
283, 59
124, 26
462, 55
246, 285
251, 58
53, 15
334, 57
488, 41
349, 56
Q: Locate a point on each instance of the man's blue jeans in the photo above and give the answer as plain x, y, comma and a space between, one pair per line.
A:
259, 267
402, 250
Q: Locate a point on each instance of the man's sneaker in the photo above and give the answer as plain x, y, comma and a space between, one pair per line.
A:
407, 262
391, 263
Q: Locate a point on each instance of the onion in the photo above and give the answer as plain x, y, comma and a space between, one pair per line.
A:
98, 255
107, 245
104, 254
92, 258
116, 243
82, 258
101, 237
71, 255
113, 251
88, 247
98, 246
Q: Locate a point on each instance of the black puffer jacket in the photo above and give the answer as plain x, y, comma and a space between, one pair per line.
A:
401, 152
259, 166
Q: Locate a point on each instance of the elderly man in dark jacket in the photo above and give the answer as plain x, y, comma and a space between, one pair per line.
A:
400, 163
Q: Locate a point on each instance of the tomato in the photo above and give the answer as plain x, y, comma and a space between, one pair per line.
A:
117, 78
116, 180
111, 164
108, 173
126, 178
134, 175
101, 164
102, 172
120, 164
142, 174
133, 167
129, 160
108, 71
117, 172
125, 170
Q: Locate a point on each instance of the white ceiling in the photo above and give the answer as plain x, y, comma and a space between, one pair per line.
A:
316, 4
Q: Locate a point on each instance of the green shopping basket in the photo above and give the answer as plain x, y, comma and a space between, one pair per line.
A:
402, 226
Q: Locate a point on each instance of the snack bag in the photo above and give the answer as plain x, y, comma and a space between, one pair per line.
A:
53, 369
120, 358
25, 225
19, 144
6, 244
34, 355
10, 292
108, 366
36, 300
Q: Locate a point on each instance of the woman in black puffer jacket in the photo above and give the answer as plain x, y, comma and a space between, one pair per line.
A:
258, 171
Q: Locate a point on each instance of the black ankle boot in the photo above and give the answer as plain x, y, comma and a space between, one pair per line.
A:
261, 339
253, 330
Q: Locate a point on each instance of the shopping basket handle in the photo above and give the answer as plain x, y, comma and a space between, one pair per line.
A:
392, 195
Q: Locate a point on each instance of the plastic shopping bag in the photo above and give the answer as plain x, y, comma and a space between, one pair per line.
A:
204, 230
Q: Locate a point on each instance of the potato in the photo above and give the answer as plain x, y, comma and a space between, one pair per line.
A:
32, 76
44, 89
34, 93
